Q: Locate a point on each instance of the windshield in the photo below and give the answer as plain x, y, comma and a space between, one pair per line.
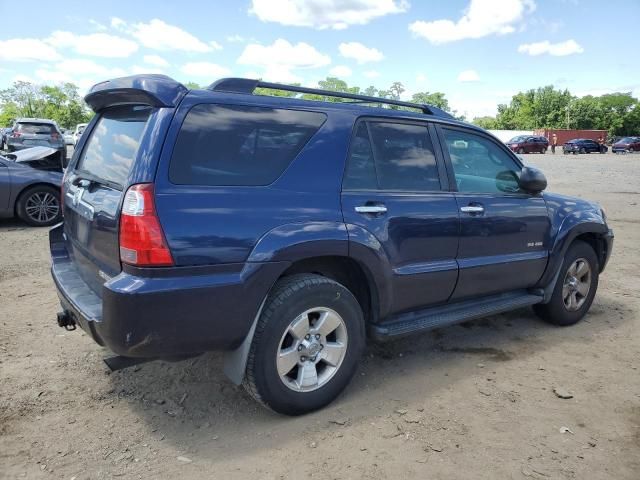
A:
519, 138
626, 140
113, 144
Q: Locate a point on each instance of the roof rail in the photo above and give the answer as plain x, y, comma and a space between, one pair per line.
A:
247, 86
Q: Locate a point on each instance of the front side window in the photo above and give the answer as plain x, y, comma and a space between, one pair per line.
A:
225, 145
479, 165
392, 156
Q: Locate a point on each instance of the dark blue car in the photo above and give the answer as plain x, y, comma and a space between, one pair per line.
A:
287, 232
583, 145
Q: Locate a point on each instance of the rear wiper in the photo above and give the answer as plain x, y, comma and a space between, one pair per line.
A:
87, 180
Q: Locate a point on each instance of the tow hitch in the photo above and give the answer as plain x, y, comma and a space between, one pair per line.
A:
66, 321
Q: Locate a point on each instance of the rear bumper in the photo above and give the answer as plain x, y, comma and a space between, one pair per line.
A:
175, 312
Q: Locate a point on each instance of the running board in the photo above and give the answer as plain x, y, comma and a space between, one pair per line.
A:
445, 315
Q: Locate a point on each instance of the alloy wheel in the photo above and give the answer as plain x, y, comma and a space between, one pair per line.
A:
312, 349
42, 207
576, 286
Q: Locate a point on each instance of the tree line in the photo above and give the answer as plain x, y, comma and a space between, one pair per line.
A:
544, 107
60, 103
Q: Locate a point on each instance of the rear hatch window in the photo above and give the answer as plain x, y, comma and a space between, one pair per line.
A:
94, 190
113, 145
36, 128
239, 145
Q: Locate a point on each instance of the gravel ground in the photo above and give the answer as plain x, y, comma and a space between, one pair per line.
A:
475, 400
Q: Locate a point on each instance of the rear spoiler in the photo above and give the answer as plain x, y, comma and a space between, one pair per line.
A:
154, 90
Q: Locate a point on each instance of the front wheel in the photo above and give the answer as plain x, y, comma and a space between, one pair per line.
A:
39, 206
583, 150
306, 346
575, 288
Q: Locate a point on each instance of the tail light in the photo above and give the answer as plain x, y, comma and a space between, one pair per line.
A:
54, 136
142, 241
15, 135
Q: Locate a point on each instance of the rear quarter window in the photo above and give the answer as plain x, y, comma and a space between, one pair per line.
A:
223, 145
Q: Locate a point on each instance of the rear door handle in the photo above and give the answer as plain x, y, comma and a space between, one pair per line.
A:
371, 209
472, 209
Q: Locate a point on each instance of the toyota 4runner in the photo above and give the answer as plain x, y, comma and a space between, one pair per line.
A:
287, 232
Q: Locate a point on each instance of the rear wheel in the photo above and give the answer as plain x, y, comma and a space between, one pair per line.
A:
306, 346
39, 206
521, 151
575, 288
630, 150
583, 150
543, 150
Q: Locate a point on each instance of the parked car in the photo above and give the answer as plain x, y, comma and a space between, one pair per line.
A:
4, 133
68, 137
78, 132
528, 144
30, 186
32, 132
626, 145
583, 145
283, 230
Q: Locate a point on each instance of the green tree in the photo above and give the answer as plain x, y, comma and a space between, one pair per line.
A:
437, 99
487, 122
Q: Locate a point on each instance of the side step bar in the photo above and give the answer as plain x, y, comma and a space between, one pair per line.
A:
445, 315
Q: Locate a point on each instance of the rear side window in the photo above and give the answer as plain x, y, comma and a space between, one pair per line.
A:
396, 156
36, 128
225, 145
113, 144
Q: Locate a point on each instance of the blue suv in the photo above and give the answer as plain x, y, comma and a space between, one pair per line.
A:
287, 232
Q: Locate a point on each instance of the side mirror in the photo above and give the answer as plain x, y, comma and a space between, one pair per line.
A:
532, 180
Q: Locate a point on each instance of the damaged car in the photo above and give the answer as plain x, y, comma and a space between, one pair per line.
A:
30, 186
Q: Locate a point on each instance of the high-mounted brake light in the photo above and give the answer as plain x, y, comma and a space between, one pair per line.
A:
142, 241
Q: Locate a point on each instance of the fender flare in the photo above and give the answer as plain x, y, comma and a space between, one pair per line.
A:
572, 226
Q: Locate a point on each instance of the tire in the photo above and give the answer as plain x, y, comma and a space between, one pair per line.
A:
582, 150
630, 150
520, 151
543, 151
557, 311
29, 203
294, 304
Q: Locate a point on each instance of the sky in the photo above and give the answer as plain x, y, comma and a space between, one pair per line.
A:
478, 52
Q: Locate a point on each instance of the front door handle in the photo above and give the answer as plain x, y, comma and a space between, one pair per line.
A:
371, 209
472, 209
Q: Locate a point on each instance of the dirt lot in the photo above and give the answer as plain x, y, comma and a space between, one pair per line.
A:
473, 401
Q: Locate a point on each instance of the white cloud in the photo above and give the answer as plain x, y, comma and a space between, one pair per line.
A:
215, 45
559, 49
480, 19
159, 35
468, 76
208, 70
82, 72
27, 49
341, 71
95, 44
371, 74
118, 23
235, 39
146, 69
421, 78
323, 14
155, 60
97, 25
280, 58
360, 53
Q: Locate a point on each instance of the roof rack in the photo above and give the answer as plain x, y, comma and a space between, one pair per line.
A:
247, 86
